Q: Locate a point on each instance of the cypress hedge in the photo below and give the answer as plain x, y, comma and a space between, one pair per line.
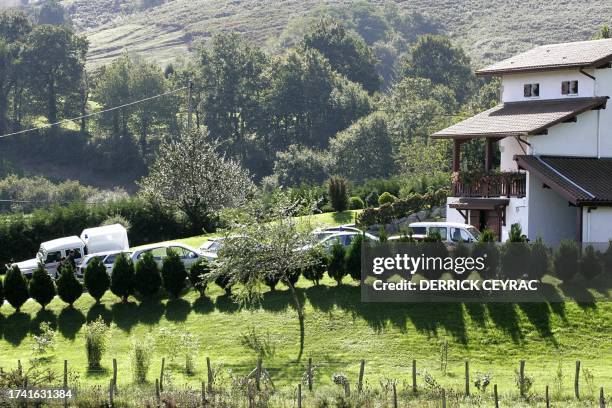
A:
69, 289
174, 275
196, 275
147, 277
122, 278
96, 279
42, 288
15, 288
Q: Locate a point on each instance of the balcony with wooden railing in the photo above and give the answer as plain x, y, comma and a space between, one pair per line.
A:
489, 184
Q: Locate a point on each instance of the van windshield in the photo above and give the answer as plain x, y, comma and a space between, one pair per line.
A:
475, 233
419, 230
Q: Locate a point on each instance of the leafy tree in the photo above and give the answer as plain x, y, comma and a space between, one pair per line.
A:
51, 12
386, 198
353, 257
15, 288
42, 288
337, 191
174, 275
122, 278
69, 289
355, 203
348, 54
300, 165
147, 278
196, 275
336, 268
54, 74
190, 175
566, 260
314, 272
590, 265
96, 279
435, 58
364, 150
604, 32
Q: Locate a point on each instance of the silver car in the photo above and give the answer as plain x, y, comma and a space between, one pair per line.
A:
188, 255
107, 258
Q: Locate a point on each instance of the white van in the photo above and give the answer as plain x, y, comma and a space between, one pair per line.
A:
449, 231
92, 240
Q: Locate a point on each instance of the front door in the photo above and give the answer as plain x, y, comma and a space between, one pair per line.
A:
482, 219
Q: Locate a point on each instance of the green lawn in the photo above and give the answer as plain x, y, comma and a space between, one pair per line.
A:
340, 331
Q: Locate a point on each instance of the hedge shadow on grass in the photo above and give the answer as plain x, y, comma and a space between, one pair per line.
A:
477, 313
70, 321
203, 305
150, 311
99, 310
125, 315
177, 310
504, 316
281, 300
16, 328
539, 315
43, 316
226, 304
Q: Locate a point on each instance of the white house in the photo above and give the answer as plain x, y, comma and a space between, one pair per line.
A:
554, 134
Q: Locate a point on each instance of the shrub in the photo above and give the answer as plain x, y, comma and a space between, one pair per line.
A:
147, 279
386, 198
44, 341
355, 203
174, 275
487, 235
1, 292
539, 259
371, 200
271, 279
140, 356
353, 258
590, 266
15, 288
316, 270
223, 281
196, 275
338, 198
516, 233
42, 288
515, 254
69, 289
96, 340
336, 268
122, 278
117, 219
96, 279
566, 260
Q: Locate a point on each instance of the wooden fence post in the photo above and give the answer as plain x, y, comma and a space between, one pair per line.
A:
161, 374
258, 375
157, 391
602, 400
210, 375
65, 382
394, 395
203, 394
522, 378
414, 375
577, 380
443, 398
111, 385
361, 370
495, 395
309, 374
547, 398
467, 378
115, 374
299, 396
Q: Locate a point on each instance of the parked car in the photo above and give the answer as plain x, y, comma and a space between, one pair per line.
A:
107, 258
188, 255
210, 248
450, 232
327, 239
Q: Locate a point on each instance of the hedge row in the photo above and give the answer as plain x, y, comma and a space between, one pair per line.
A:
21, 235
402, 208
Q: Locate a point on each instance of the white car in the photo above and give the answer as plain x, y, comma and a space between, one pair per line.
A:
449, 231
210, 248
188, 255
107, 258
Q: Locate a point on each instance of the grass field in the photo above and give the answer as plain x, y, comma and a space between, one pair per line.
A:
340, 331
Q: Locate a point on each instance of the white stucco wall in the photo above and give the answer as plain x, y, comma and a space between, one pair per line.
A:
550, 85
550, 216
603, 87
516, 213
597, 224
453, 215
508, 148
578, 138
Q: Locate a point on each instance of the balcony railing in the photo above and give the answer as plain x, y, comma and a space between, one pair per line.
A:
490, 184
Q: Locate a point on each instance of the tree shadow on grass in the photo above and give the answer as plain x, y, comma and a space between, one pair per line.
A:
99, 310
125, 315
280, 300
16, 328
504, 316
150, 311
203, 305
99, 372
538, 314
225, 303
177, 310
70, 321
477, 313
320, 297
584, 299
43, 316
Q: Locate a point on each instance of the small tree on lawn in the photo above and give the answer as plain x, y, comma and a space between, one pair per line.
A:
96, 279
147, 278
538, 265
97, 334
122, 278
567, 258
196, 275
315, 271
69, 289
336, 268
42, 288
174, 274
337, 191
270, 244
15, 288
590, 265
353, 257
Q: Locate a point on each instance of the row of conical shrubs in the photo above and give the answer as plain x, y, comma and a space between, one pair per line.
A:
144, 279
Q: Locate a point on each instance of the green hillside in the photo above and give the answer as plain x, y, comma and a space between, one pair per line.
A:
489, 30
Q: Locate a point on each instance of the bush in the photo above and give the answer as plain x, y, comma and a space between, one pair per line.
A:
566, 260
516, 233
42, 288
336, 268
590, 266
371, 199
96, 340
140, 356
386, 198
147, 279
353, 258
316, 270
69, 289
196, 275
15, 288
355, 203
223, 281
337, 191
96, 279
538, 265
122, 278
174, 275
515, 254
271, 279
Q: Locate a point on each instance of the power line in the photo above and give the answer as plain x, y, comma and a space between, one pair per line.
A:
93, 113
